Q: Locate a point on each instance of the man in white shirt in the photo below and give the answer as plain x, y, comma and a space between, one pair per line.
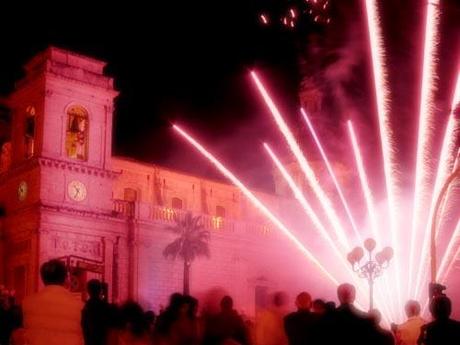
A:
52, 316
409, 332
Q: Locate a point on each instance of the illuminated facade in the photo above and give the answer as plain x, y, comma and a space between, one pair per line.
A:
64, 195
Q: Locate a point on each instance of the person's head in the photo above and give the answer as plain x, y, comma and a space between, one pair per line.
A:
192, 304
319, 306
279, 299
303, 301
441, 307
133, 318
94, 288
175, 300
346, 293
375, 315
330, 307
226, 303
412, 308
150, 317
53, 272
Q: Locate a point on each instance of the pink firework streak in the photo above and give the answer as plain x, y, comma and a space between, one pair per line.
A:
364, 182
381, 92
255, 201
423, 169
368, 198
306, 169
331, 173
446, 163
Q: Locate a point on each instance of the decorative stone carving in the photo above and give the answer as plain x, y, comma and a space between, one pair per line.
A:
78, 247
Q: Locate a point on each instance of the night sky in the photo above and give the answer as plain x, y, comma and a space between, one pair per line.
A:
188, 62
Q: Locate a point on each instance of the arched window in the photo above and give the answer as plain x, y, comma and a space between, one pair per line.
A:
29, 132
220, 211
130, 194
77, 133
176, 203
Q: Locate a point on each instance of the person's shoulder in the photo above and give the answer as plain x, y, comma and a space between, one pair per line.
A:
290, 315
455, 323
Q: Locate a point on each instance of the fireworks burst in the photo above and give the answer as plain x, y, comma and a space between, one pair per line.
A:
295, 12
408, 280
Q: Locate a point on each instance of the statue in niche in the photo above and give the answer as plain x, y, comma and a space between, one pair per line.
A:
30, 132
77, 133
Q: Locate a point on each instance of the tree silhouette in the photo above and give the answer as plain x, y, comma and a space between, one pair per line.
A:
192, 241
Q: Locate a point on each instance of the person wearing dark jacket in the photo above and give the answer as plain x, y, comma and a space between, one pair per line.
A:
381, 336
443, 330
348, 325
227, 326
301, 325
95, 315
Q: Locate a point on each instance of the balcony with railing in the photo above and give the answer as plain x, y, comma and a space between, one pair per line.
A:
168, 216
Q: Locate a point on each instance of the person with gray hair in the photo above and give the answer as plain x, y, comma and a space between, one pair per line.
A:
409, 332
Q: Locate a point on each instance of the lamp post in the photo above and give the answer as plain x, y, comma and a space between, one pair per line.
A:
373, 267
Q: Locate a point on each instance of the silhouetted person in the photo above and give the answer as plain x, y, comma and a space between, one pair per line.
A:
409, 332
270, 323
301, 325
226, 326
95, 315
168, 316
443, 330
319, 306
52, 316
4, 333
134, 327
184, 328
381, 336
150, 319
348, 325
14, 318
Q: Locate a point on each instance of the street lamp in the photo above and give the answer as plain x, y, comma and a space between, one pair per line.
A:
373, 267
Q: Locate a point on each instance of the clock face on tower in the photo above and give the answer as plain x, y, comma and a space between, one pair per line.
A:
76, 190
22, 191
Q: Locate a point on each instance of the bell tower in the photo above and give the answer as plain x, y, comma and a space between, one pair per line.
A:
57, 189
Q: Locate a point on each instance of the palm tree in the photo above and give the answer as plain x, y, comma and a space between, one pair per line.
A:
192, 241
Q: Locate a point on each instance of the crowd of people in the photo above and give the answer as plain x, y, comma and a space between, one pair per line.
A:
55, 316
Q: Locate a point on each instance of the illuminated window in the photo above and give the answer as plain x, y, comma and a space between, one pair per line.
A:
77, 133
176, 203
168, 214
220, 211
29, 132
130, 194
217, 222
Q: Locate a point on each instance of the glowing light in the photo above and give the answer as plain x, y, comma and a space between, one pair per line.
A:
364, 182
303, 201
317, 223
381, 92
423, 169
292, 12
264, 18
255, 201
446, 163
331, 173
305, 167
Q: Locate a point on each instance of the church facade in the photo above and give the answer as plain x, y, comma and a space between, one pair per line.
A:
64, 195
